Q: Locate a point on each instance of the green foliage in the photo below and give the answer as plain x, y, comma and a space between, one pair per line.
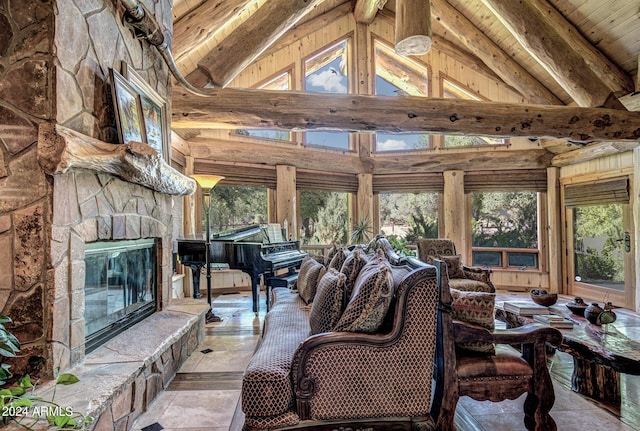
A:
233, 206
323, 217
20, 405
504, 219
399, 245
331, 225
599, 224
415, 213
361, 232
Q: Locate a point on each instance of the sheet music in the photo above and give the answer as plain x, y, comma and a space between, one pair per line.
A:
274, 232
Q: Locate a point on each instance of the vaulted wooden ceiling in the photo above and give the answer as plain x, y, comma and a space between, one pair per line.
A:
571, 53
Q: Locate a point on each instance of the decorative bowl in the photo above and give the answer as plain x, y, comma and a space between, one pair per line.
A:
577, 306
542, 297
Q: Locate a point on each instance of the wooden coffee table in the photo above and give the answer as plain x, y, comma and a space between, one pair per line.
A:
600, 353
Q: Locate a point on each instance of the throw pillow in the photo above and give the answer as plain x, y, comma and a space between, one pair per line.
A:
311, 271
327, 305
370, 300
477, 308
330, 253
338, 258
351, 267
454, 265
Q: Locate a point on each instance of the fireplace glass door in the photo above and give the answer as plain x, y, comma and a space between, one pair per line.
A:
120, 287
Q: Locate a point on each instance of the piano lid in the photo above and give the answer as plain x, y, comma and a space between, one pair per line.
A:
250, 233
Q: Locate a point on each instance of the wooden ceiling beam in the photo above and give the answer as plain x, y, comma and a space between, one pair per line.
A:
592, 152
476, 42
308, 27
290, 110
252, 38
553, 42
365, 10
413, 35
480, 159
202, 23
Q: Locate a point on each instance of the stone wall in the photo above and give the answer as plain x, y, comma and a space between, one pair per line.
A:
54, 67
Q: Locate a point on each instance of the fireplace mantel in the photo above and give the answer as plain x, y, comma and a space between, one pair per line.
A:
61, 148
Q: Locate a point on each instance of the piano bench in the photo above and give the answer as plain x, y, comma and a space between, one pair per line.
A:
287, 280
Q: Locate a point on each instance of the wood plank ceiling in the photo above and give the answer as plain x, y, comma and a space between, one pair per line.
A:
577, 53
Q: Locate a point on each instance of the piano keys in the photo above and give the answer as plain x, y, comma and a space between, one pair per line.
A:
247, 249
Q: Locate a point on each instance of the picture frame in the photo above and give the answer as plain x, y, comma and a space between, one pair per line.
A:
154, 110
128, 110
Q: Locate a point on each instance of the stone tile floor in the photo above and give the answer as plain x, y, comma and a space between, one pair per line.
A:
205, 392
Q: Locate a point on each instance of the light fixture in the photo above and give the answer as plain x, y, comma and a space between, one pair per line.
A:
207, 183
413, 35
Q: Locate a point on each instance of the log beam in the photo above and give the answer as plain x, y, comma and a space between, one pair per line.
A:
290, 110
365, 10
252, 38
593, 151
413, 27
201, 24
435, 161
561, 51
476, 42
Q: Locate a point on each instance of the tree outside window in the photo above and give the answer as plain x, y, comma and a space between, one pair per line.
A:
236, 206
324, 217
598, 245
407, 217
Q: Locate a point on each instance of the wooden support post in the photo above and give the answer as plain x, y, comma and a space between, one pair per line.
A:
635, 235
554, 231
454, 209
286, 199
413, 27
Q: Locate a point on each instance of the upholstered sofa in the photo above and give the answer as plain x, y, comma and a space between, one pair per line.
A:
357, 352
461, 277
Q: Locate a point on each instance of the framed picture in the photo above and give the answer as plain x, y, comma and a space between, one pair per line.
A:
128, 110
154, 111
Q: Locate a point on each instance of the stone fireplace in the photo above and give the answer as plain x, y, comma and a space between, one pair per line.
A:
66, 183
102, 193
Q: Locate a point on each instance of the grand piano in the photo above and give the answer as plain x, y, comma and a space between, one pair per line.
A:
252, 249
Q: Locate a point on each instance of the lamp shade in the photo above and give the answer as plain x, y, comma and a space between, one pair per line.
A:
207, 182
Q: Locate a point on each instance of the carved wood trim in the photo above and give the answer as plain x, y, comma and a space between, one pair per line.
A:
61, 149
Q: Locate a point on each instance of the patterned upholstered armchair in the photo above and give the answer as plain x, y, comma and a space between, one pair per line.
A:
462, 277
465, 367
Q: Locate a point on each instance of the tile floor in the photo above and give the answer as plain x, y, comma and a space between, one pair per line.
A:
205, 392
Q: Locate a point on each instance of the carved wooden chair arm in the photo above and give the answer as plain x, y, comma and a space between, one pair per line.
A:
533, 333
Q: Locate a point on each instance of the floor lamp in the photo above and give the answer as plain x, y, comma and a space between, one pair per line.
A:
206, 183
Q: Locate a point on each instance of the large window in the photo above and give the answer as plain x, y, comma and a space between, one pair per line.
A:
505, 229
399, 76
236, 206
407, 217
598, 227
599, 245
327, 72
324, 217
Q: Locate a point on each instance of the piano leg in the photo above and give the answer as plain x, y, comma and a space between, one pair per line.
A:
195, 273
255, 291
